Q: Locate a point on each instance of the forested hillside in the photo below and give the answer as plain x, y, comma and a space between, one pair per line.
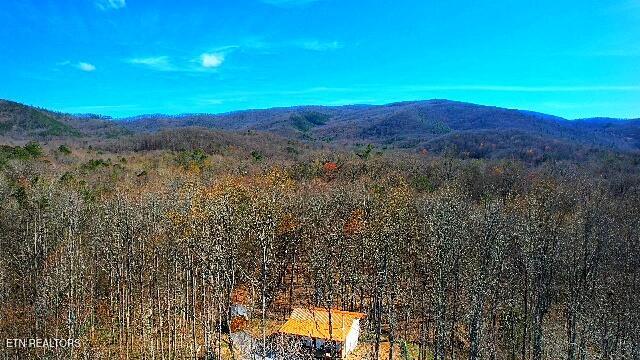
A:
444, 127
420, 124
22, 122
134, 244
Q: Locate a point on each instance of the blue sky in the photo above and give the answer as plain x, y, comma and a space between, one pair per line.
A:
573, 58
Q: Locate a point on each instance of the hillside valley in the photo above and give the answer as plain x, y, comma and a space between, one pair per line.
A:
456, 230
438, 126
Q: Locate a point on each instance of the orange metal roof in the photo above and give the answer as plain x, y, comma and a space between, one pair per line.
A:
314, 323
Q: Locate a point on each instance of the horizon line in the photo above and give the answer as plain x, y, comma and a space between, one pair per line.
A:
248, 109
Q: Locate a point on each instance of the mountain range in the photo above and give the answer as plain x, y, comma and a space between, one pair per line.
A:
439, 126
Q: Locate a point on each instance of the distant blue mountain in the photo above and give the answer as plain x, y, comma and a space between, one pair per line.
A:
435, 125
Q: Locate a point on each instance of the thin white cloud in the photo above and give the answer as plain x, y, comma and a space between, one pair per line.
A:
84, 66
264, 46
214, 57
225, 49
87, 67
521, 88
316, 45
211, 60
378, 94
110, 4
95, 108
211, 101
200, 64
160, 63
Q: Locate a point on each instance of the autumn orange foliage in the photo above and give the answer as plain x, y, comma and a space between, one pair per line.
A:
329, 167
355, 224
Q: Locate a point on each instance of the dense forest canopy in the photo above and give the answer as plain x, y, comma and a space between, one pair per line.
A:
134, 241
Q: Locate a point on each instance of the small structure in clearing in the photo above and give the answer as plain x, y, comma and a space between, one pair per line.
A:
324, 330
239, 318
239, 310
